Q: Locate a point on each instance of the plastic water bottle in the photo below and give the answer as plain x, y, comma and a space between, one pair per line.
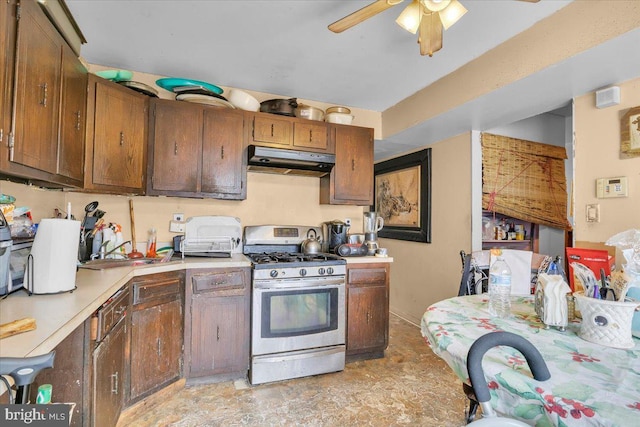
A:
500, 289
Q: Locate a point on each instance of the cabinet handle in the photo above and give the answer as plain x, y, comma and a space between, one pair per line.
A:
78, 120
175, 147
43, 86
217, 333
121, 138
368, 317
159, 347
310, 135
353, 164
222, 152
272, 129
114, 383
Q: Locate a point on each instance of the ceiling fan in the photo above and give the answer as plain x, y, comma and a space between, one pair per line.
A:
429, 18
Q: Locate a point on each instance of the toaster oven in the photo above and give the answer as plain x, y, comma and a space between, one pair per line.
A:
20, 250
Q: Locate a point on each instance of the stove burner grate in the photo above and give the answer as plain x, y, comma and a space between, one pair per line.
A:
286, 257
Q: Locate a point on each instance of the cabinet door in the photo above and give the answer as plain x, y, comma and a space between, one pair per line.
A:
351, 180
367, 318
176, 144
119, 136
37, 86
68, 374
219, 335
354, 165
72, 116
272, 130
108, 370
310, 135
223, 171
156, 347
8, 24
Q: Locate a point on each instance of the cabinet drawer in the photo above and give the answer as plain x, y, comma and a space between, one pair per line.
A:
146, 292
158, 289
366, 276
111, 313
229, 282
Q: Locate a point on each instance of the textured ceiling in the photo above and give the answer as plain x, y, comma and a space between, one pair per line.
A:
285, 48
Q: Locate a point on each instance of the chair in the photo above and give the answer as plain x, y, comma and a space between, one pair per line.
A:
475, 280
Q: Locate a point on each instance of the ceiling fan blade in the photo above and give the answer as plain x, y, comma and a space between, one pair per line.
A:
362, 15
530, 1
430, 38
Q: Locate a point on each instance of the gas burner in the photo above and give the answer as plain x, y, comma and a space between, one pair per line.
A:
289, 257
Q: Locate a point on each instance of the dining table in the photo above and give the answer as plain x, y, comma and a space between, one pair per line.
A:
590, 384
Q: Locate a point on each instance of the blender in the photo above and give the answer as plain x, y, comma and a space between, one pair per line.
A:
372, 224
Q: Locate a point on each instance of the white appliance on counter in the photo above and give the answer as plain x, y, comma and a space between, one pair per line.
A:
52, 263
212, 236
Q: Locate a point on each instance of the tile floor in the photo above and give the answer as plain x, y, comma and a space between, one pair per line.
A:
410, 386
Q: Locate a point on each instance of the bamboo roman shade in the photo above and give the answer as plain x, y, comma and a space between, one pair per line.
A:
525, 180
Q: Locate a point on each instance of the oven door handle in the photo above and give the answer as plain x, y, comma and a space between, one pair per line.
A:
300, 284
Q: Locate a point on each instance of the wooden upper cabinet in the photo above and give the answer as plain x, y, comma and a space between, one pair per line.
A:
223, 168
37, 90
116, 138
176, 134
196, 151
310, 135
72, 116
351, 180
8, 25
271, 129
42, 110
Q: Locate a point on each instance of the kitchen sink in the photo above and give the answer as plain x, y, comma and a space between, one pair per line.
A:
101, 264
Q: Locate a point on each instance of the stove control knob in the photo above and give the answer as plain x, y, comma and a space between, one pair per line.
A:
330, 270
303, 272
273, 273
321, 271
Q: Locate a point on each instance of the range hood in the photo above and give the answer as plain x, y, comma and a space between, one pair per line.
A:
289, 162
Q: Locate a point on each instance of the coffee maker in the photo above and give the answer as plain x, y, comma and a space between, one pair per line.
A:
372, 224
335, 233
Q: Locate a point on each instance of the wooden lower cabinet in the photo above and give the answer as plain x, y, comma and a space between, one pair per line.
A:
156, 333
109, 377
367, 310
217, 328
68, 376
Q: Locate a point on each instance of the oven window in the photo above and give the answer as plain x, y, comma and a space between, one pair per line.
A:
299, 312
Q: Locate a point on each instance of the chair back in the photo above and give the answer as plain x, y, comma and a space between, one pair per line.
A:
475, 270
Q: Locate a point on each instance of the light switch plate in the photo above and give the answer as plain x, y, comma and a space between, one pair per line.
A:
593, 212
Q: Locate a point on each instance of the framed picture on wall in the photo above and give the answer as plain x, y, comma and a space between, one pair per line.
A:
402, 196
630, 132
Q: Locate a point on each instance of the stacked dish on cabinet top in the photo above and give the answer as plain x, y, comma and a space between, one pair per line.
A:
195, 91
123, 77
340, 115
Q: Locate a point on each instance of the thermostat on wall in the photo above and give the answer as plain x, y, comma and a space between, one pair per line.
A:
611, 187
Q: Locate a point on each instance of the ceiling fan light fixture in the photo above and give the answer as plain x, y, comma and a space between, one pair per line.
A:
452, 13
410, 17
436, 5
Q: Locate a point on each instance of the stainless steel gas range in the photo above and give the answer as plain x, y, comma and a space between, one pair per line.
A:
298, 306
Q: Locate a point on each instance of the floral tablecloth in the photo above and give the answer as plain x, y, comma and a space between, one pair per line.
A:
590, 384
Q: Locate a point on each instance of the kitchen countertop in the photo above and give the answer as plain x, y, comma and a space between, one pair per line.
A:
57, 315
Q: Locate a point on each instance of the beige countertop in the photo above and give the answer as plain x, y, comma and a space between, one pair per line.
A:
57, 315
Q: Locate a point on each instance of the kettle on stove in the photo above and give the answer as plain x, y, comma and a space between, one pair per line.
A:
335, 233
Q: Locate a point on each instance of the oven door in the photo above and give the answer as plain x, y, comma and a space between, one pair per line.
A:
297, 314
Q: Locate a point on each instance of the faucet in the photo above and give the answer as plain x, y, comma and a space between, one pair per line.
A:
102, 254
